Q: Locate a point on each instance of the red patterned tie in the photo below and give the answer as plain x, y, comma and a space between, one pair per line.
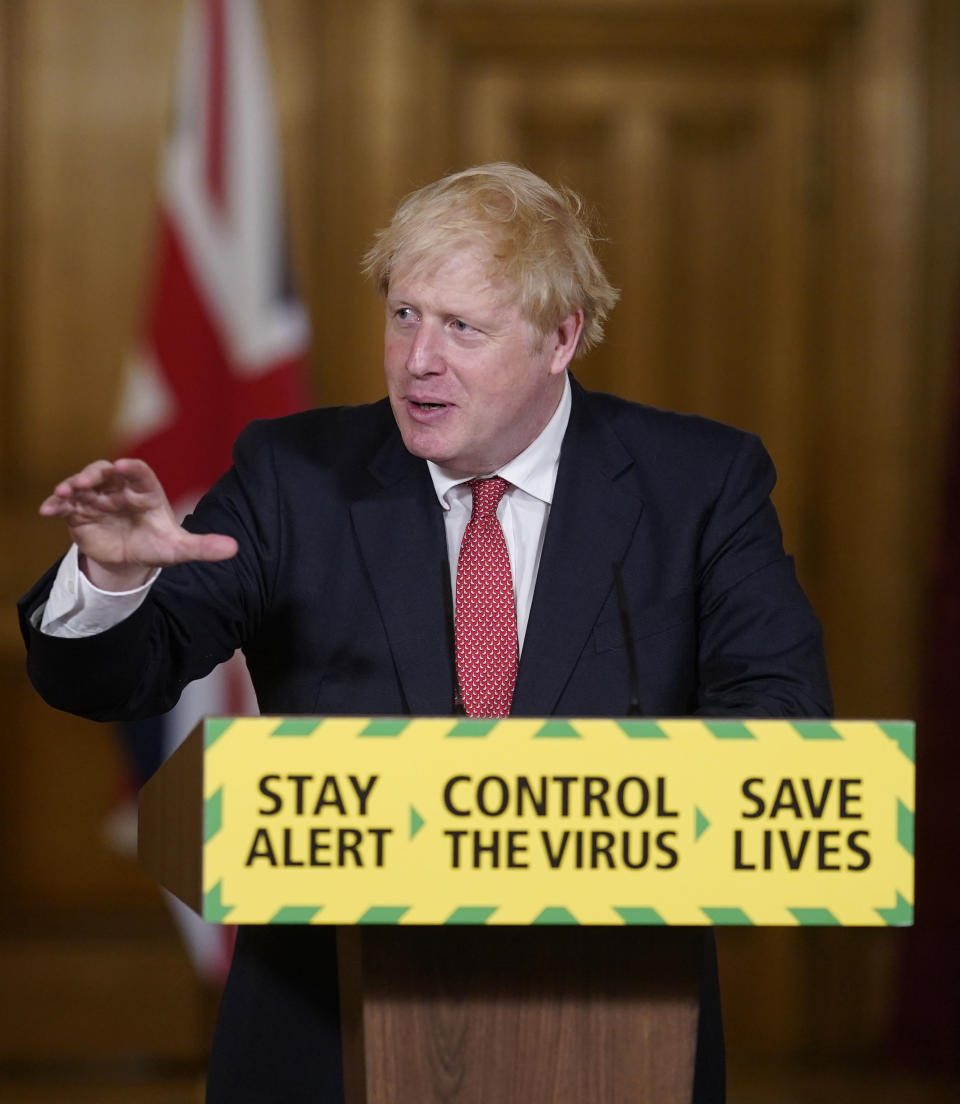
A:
486, 617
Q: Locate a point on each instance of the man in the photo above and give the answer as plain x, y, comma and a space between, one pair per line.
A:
334, 548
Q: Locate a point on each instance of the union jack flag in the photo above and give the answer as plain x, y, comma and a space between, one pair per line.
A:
224, 339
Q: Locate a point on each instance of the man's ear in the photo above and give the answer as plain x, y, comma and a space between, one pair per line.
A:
565, 339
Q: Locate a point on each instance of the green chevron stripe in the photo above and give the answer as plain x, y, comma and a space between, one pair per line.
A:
295, 914
727, 916
296, 727
416, 822
214, 910
383, 914
471, 914
730, 730
816, 730
384, 726
904, 827
556, 916
643, 730
701, 824
904, 736
471, 729
631, 915
214, 728
815, 917
900, 916
212, 815
556, 730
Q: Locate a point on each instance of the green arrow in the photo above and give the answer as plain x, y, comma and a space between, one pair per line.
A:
471, 729
214, 910
900, 916
556, 730
816, 730
701, 825
904, 827
214, 728
212, 815
556, 916
295, 914
815, 917
903, 735
730, 730
643, 730
383, 914
631, 915
416, 822
722, 916
471, 914
384, 726
296, 727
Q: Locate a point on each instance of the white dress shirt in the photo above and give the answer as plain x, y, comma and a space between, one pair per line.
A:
77, 608
523, 511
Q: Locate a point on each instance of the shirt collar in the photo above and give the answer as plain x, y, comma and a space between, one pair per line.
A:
534, 470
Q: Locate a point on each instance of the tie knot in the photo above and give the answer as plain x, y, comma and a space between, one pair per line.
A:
486, 496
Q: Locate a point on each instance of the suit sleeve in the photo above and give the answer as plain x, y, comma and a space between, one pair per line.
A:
195, 617
760, 649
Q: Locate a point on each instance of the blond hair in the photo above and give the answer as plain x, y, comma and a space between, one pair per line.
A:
539, 238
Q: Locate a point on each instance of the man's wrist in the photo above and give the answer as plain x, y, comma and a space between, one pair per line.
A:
76, 607
114, 578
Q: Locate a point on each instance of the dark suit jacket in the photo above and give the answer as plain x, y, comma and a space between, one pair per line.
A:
337, 598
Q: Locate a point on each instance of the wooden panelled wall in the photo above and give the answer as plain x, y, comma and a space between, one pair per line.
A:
774, 181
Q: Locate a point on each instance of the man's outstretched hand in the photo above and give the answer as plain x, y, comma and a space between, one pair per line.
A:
121, 521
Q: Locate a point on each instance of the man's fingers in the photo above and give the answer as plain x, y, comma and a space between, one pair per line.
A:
53, 506
83, 506
119, 515
96, 475
138, 475
106, 476
103, 486
96, 479
79, 507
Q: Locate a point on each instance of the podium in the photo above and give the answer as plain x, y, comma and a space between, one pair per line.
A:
520, 903
571, 1015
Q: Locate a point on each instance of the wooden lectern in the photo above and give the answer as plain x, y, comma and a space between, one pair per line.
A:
517, 901
560, 1014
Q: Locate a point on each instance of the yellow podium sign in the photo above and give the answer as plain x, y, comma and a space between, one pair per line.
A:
348, 820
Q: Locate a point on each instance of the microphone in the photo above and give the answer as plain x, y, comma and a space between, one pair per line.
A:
635, 709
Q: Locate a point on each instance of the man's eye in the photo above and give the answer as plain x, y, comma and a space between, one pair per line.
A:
405, 314
461, 327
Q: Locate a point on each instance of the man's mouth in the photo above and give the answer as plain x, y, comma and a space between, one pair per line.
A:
428, 405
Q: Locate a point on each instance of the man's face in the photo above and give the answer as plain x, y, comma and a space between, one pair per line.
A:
470, 380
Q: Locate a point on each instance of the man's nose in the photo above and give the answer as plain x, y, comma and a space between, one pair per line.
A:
425, 357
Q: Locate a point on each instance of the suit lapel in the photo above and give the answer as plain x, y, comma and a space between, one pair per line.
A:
399, 529
596, 508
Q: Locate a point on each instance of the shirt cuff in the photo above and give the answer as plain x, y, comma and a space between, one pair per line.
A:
76, 608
